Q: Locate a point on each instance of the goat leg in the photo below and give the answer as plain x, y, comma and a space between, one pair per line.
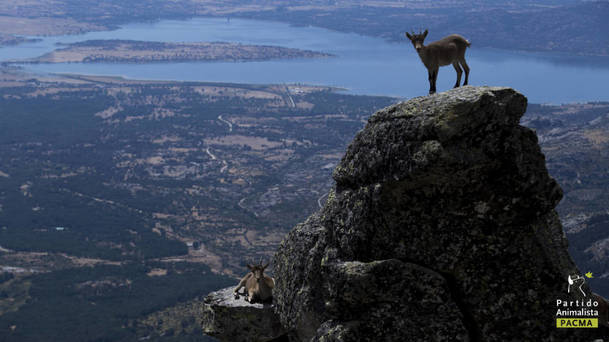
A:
466, 69
241, 284
459, 72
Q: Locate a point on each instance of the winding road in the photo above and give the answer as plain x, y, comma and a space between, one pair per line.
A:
292, 104
211, 155
230, 124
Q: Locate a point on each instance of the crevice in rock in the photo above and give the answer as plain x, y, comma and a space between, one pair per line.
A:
473, 330
468, 317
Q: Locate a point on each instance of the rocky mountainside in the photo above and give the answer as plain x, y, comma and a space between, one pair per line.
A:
441, 227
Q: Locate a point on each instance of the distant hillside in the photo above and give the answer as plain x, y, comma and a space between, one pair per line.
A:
582, 29
578, 29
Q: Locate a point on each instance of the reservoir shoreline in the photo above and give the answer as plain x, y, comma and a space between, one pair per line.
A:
363, 65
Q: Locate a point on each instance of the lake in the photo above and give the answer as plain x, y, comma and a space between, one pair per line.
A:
363, 65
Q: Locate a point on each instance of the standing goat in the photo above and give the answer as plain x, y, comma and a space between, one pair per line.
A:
258, 287
448, 50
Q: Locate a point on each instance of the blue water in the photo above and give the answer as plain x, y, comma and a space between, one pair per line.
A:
363, 65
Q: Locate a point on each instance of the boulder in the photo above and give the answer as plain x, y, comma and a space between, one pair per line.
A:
441, 227
234, 319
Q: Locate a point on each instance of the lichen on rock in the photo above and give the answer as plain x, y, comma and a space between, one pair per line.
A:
441, 228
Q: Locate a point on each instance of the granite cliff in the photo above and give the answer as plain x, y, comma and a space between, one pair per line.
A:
441, 227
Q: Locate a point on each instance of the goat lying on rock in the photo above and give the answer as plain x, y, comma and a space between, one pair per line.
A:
258, 287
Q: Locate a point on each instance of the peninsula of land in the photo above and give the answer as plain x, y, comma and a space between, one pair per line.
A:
131, 51
9, 40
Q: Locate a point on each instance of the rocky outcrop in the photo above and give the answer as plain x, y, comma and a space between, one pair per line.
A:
233, 319
441, 228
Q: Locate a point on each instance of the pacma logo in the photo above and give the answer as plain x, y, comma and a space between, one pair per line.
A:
576, 281
580, 313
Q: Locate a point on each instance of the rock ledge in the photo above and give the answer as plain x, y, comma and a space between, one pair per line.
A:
231, 319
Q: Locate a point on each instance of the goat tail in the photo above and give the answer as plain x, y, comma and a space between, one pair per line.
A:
468, 43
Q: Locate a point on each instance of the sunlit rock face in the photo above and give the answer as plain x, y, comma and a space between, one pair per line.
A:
441, 227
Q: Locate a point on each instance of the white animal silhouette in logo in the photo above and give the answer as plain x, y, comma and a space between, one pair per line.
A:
572, 281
